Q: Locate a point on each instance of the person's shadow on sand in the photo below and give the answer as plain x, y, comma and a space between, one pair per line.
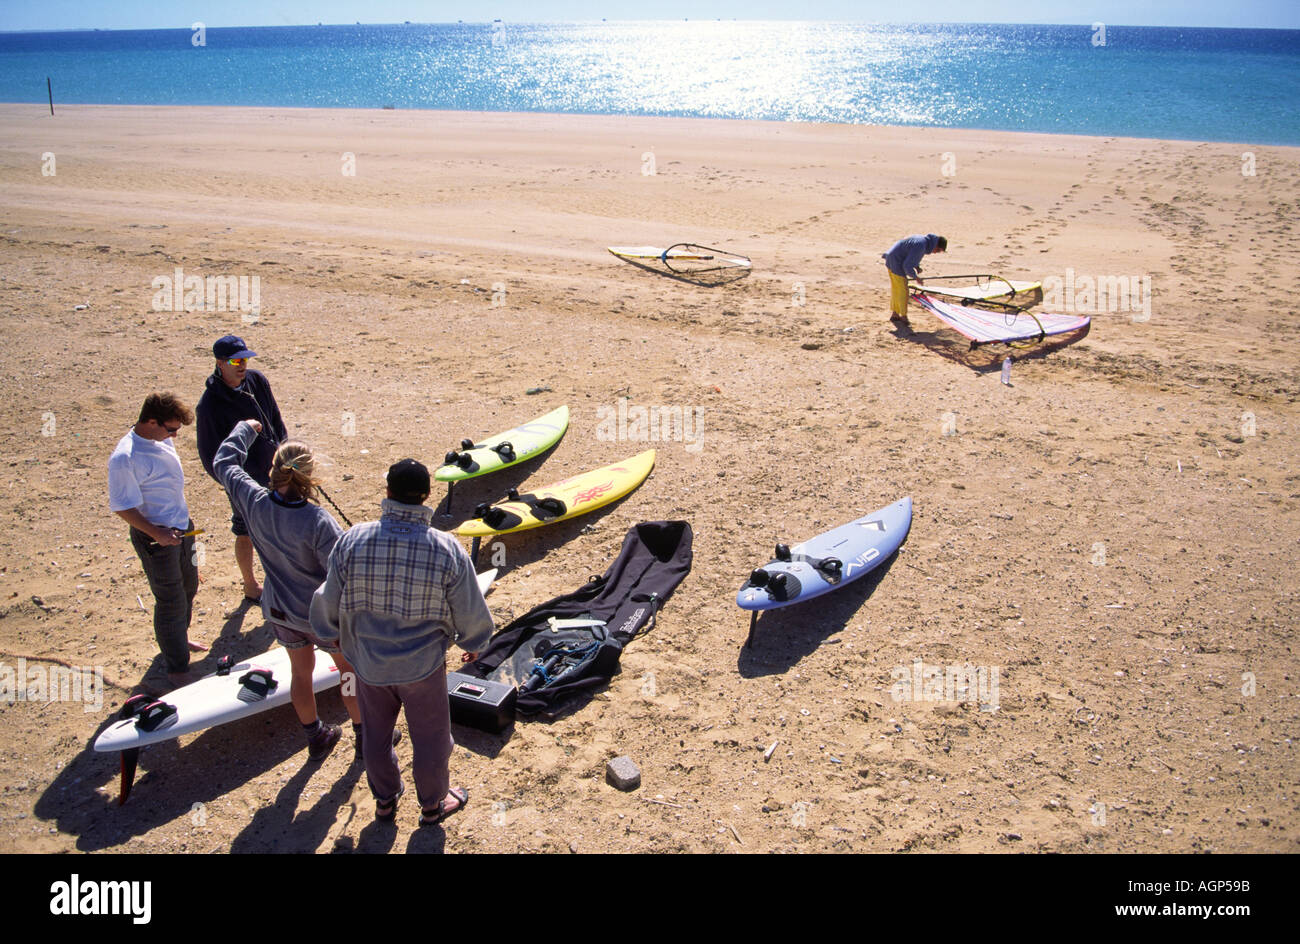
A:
280, 827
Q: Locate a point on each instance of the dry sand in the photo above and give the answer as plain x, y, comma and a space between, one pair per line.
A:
1115, 533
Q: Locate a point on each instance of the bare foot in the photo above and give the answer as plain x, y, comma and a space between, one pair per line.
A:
197, 646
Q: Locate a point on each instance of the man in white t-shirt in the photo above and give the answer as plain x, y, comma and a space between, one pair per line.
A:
146, 487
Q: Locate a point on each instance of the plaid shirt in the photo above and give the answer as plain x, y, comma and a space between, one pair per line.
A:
397, 592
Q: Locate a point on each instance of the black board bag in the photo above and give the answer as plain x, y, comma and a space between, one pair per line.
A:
549, 665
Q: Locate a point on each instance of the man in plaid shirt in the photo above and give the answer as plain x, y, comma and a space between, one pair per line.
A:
397, 592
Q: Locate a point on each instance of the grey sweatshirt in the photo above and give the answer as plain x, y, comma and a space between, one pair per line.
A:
293, 538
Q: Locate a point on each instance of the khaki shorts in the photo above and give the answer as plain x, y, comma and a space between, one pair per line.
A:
296, 638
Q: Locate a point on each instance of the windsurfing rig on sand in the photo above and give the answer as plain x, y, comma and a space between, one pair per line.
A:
1012, 325
684, 258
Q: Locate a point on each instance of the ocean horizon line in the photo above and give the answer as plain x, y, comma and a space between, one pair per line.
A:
656, 20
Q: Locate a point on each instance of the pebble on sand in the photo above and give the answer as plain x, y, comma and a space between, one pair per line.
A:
623, 774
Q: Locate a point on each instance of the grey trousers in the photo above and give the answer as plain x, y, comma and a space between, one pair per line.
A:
174, 580
428, 723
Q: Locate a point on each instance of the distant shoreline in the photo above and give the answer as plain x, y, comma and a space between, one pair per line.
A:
43, 110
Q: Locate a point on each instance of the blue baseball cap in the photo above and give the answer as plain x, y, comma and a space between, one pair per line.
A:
231, 347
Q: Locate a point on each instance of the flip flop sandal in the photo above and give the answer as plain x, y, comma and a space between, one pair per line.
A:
434, 817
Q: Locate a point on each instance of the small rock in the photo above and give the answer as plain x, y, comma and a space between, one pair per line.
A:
811, 345
623, 774
348, 476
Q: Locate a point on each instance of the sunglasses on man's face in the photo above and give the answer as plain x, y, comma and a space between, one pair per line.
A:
171, 430
237, 361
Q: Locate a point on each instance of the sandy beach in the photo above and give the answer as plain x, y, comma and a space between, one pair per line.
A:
1114, 533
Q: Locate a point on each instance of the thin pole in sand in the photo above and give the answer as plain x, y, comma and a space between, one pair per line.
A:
50, 88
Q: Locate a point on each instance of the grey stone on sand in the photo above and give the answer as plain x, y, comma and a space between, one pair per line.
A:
622, 774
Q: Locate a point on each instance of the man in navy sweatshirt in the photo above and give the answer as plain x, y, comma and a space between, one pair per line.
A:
236, 392
904, 262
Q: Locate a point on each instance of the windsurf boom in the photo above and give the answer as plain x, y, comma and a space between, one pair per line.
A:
979, 288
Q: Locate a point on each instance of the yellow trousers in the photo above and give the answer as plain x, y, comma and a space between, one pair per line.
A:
897, 295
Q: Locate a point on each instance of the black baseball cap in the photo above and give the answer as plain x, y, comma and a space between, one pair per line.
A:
408, 480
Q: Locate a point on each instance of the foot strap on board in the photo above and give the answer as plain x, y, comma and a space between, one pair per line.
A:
257, 684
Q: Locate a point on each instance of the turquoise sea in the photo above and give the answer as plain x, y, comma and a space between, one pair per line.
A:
1197, 84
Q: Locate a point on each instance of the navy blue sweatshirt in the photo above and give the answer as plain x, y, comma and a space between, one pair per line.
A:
221, 407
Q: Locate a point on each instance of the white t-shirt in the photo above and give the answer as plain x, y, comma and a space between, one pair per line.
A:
147, 475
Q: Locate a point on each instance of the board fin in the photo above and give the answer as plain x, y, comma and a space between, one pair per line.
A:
130, 757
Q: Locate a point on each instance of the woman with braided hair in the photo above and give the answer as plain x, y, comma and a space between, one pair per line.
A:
293, 537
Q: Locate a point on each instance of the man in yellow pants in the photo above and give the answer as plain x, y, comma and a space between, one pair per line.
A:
904, 262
